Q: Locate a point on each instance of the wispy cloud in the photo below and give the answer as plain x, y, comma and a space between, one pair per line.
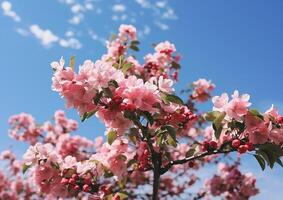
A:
7, 11
22, 32
70, 43
161, 25
119, 8
46, 37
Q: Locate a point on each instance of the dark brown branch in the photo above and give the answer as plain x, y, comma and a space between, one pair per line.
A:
192, 158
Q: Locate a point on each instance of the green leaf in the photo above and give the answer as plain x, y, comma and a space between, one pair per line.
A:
111, 136
175, 65
135, 42
171, 130
256, 113
211, 116
55, 165
123, 196
126, 67
261, 161
190, 152
107, 92
113, 83
219, 119
171, 98
87, 115
132, 162
271, 152
130, 115
25, 168
134, 47
121, 157
279, 162
217, 124
171, 141
72, 62
97, 97
133, 138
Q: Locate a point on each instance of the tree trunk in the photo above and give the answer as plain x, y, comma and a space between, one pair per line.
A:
156, 175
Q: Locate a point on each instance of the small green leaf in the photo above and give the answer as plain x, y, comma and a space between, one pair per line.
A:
130, 115
121, 157
107, 92
171, 130
171, 141
191, 152
271, 152
111, 136
25, 168
133, 135
135, 42
211, 116
172, 98
113, 83
132, 162
126, 67
256, 113
134, 47
217, 124
72, 62
97, 97
261, 161
87, 115
175, 65
279, 162
55, 165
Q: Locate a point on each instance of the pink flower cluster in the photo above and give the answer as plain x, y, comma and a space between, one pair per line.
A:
235, 108
201, 90
231, 184
269, 128
24, 128
13, 186
153, 137
107, 88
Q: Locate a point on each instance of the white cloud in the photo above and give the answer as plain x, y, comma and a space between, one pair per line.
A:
169, 14
77, 8
46, 37
119, 18
161, 4
7, 10
161, 25
76, 19
146, 30
22, 32
70, 43
119, 8
69, 34
89, 6
144, 3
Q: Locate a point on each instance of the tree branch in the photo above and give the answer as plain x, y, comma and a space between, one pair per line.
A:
192, 158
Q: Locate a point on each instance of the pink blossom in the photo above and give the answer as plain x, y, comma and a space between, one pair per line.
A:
58, 65
202, 90
235, 108
276, 135
165, 47
127, 30
256, 129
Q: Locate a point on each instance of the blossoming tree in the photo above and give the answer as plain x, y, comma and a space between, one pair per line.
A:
155, 142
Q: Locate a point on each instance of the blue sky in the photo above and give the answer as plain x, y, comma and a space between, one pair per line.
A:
238, 44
